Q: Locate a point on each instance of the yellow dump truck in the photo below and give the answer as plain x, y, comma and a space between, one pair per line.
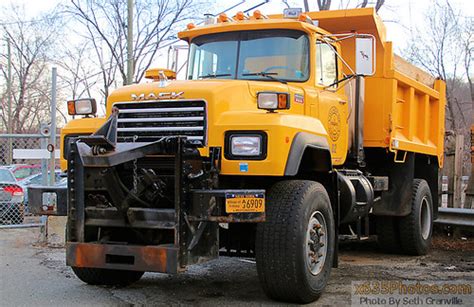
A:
288, 131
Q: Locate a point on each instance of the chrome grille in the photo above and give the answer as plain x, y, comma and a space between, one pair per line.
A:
150, 121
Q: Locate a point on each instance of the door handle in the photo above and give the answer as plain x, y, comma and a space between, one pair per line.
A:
342, 101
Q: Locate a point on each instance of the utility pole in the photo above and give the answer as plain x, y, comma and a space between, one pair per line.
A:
52, 141
130, 68
9, 93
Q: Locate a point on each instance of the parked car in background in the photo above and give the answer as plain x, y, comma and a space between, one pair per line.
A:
11, 198
21, 171
37, 179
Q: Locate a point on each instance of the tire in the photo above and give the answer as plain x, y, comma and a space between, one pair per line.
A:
294, 208
388, 238
417, 227
107, 277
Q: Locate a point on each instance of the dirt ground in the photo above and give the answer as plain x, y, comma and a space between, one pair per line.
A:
31, 274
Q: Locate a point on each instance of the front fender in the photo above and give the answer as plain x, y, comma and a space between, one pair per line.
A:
308, 152
281, 129
75, 127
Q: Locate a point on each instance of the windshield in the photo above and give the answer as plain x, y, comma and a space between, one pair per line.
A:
250, 55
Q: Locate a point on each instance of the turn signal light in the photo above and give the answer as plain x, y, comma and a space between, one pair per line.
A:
282, 101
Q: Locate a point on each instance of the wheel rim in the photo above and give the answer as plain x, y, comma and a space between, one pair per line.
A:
425, 218
316, 243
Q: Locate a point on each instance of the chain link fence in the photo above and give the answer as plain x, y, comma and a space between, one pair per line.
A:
12, 207
24, 161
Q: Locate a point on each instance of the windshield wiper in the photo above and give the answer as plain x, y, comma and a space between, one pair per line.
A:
213, 76
269, 75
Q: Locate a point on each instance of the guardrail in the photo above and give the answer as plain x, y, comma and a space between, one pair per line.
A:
456, 217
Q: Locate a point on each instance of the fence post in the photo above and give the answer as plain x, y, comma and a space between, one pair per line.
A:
44, 171
458, 158
10, 113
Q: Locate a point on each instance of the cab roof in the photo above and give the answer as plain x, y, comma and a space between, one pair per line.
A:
363, 20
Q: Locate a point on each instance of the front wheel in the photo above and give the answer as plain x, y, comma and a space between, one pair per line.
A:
107, 277
295, 246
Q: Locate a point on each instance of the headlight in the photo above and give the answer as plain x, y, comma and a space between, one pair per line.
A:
273, 101
84, 106
243, 146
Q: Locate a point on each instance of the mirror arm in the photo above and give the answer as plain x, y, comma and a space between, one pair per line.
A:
346, 78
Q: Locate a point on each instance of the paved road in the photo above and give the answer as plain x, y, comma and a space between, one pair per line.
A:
32, 275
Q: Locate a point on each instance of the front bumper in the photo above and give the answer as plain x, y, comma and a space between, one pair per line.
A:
192, 217
163, 259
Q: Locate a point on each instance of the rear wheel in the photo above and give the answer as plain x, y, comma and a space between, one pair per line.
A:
108, 277
295, 246
416, 228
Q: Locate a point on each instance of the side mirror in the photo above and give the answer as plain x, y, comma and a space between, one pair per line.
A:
365, 55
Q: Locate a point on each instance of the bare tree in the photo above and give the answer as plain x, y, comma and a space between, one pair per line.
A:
154, 22
31, 41
444, 47
467, 37
324, 5
78, 74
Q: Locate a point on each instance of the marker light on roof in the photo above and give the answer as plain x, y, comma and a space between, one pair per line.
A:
305, 18
191, 26
258, 15
240, 16
223, 18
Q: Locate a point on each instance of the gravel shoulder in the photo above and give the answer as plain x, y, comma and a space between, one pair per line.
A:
37, 275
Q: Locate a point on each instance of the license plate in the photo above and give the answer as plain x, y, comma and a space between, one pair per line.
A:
237, 203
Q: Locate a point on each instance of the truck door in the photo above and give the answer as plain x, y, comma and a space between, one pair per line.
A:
332, 104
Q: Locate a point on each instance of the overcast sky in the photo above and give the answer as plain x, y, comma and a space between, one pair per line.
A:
399, 15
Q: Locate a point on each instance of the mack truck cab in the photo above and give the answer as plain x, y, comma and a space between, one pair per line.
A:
288, 131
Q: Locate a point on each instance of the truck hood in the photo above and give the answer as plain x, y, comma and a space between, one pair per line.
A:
220, 95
